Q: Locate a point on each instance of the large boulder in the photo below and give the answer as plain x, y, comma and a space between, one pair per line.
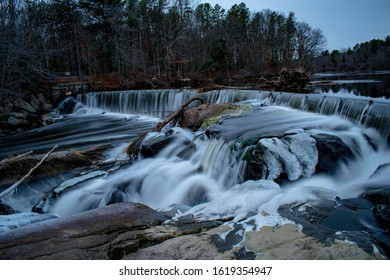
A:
206, 114
84, 236
294, 155
331, 152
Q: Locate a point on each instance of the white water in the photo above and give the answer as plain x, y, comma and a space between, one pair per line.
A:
210, 182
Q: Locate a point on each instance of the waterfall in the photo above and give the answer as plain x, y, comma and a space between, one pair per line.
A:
157, 103
288, 149
367, 112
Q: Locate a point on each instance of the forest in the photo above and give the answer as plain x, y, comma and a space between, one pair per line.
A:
371, 55
163, 39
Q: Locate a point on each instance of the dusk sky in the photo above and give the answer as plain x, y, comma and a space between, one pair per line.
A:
344, 22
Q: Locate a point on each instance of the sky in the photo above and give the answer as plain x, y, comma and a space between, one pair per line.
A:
344, 23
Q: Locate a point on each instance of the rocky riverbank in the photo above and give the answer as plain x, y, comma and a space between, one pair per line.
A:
135, 231
19, 112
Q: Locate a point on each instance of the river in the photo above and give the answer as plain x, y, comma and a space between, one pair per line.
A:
245, 167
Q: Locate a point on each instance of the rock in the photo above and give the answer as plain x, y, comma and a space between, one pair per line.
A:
269, 243
382, 214
42, 99
35, 103
67, 106
344, 219
287, 158
187, 247
381, 196
47, 119
6, 209
89, 235
288, 242
193, 118
331, 151
151, 146
18, 123
381, 210
21, 104
47, 107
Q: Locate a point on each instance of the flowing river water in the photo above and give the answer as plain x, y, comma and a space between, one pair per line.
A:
245, 167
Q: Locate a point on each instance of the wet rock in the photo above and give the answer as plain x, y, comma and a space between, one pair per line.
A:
381, 209
382, 214
151, 146
344, 219
6, 209
67, 106
381, 196
331, 151
287, 158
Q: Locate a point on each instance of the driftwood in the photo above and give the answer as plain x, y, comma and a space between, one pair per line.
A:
174, 118
14, 186
7, 160
290, 80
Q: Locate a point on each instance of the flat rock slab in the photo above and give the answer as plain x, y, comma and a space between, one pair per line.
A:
84, 236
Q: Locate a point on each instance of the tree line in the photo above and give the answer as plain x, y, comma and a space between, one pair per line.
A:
165, 38
371, 55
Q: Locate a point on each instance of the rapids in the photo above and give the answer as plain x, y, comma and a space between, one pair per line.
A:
206, 173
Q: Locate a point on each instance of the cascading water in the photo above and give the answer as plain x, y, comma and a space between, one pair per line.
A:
363, 111
243, 167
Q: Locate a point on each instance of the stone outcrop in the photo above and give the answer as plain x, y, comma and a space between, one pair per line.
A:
25, 112
135, 231
194, 118
327, 150
110, 232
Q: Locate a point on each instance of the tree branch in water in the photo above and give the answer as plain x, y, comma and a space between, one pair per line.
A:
174, 117
14, 186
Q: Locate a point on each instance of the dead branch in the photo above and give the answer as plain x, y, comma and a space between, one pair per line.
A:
7, 160
174, 117
14, 186
177, 113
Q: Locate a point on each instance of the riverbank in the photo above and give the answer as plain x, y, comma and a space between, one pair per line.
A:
108, 233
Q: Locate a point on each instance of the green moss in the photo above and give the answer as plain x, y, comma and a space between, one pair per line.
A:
227, 111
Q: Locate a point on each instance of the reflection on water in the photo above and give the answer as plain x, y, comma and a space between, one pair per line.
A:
375, 84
